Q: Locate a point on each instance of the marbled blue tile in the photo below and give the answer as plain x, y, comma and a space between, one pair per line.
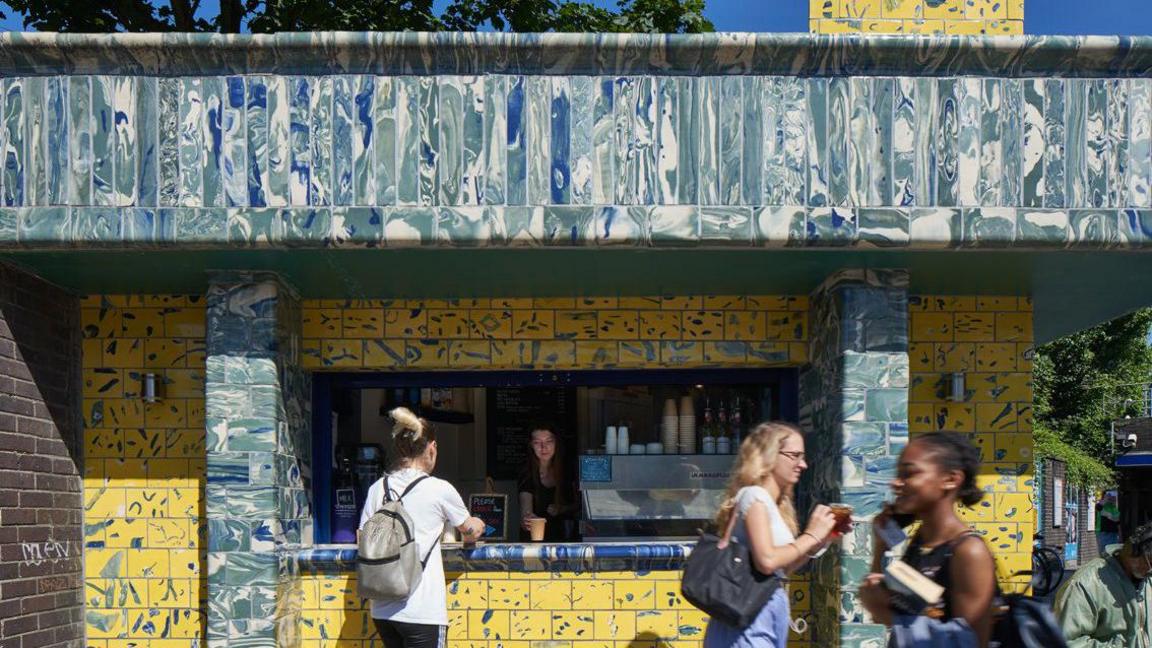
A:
1139, 165
731, 140
300, 131
1116, 153
538, 123
903, 141
938, 227
36, 184
1044, 227
1135, 228
778, 226
277, 189
450, 164
57, 132
839, 124
80, 140
197, 227
516, 179
1056, 153
1032, 152
234, 144
1094, 228
190, 137
495, 157
214, 89
256, 123
385, 140
753, 137
410, 226
884, 227
989, 227
8, 227
44, 226
472, 131
99, 225
869, 146
1013, 155
621, 226
667, 173
321, 191
708, 137
816, 142
560, 139
254, 227
925, 159
357, 227
566, 226
103, 141
831, 226
304, 225
946, 120
675, 226
343, 189
970, 157
688, 140
470, 227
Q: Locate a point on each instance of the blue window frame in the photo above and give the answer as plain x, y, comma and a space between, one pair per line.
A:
324, 384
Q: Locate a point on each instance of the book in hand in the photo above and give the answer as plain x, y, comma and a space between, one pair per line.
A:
912, 592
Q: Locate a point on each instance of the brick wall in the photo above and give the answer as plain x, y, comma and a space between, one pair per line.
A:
40, 504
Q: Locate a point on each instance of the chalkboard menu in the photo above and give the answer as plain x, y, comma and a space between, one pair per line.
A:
493, 510
511, 413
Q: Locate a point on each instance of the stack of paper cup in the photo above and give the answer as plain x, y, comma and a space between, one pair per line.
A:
687, 426
670, 427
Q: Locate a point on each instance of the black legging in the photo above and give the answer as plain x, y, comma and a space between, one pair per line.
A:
397, 634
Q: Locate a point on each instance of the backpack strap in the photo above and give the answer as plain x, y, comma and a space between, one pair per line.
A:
411, 486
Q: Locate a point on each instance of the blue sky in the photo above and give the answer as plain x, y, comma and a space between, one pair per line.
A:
1040, 16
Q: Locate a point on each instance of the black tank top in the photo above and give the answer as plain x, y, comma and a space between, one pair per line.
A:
935, 563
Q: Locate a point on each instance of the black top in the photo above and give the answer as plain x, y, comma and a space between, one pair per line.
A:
934, 563
559, 528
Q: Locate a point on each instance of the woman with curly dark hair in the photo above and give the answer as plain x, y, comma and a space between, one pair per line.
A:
936, 472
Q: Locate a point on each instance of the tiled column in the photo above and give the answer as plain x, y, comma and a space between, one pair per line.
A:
259, 453
854, 406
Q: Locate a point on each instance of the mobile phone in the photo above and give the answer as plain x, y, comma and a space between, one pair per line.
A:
891, 532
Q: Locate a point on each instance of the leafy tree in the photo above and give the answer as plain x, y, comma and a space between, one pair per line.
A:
1082, 383
267, 16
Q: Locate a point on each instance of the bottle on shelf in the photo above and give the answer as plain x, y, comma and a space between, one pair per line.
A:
737, 422
723, 441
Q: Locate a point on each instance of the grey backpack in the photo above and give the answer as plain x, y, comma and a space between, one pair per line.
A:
388, 566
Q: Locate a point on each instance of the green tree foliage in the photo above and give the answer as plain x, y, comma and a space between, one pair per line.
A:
267, 16
1081, 384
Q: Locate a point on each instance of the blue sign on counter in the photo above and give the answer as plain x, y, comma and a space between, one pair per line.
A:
596, 469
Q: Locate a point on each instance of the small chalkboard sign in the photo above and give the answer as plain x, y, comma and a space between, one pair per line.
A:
492, 508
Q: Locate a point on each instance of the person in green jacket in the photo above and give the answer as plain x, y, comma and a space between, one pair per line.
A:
1108, 602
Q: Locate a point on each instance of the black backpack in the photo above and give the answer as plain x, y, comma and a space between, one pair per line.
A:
1020, 621
1025, 622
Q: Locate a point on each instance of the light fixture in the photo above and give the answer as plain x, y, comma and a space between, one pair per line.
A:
958, 386
151, 390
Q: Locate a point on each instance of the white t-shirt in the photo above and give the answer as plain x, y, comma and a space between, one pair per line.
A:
745, 497
432, 504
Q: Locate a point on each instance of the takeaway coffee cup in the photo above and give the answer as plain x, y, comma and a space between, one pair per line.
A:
536, 528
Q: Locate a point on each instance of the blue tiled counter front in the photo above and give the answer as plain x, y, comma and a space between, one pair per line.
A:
573, 557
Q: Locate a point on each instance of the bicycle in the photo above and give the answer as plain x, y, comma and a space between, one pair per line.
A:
1047, 567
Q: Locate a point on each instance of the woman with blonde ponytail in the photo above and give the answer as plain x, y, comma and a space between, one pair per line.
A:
420, 620
760, 495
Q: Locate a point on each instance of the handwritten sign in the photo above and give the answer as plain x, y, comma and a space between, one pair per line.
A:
596, 468
492, 508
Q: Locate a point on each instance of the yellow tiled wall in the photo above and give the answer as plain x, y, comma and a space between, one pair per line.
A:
990, 340
144, 470
560, 333
962, 17
500, 610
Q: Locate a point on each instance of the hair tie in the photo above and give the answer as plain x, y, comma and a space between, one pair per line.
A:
406, 421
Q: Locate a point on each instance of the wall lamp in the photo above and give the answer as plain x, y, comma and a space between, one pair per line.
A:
958, 388
152, 388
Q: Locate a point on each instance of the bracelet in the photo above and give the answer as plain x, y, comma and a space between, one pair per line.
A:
811, 536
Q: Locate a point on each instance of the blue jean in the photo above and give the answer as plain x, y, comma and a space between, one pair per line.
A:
769, 628
1105, 538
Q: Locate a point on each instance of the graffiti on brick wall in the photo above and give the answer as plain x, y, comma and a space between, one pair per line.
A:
39, 553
